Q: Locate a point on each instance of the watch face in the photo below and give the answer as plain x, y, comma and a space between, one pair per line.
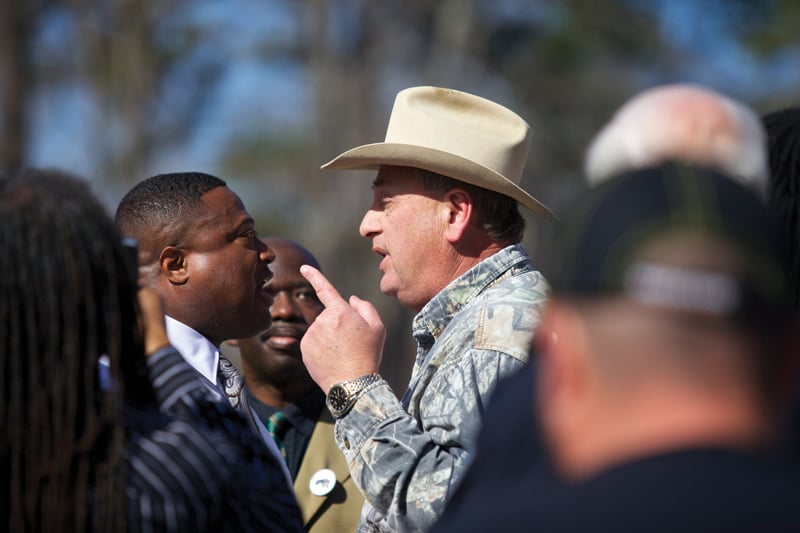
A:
338, 398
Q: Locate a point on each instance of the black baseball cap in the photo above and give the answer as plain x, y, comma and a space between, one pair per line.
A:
604, 231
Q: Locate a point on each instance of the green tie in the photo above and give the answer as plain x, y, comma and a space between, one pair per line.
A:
277, 425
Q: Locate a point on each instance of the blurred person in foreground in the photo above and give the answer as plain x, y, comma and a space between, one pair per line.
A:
199, 250
288, 401
662, 364
81, 454
783, 142
446, 224
678, 122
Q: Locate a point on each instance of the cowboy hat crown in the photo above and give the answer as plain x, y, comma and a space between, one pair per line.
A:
456, 134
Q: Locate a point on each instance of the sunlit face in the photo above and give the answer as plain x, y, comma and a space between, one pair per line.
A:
406, 223
275, 353
228, 270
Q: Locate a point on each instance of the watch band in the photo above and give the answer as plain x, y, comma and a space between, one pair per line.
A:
357, 385
342, 396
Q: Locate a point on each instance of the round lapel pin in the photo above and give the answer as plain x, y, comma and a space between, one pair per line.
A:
322, 482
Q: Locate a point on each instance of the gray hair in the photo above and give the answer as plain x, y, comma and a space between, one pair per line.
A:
685, 123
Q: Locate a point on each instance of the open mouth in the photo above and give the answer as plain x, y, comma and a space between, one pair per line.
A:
383, 254
263, 285
264, 293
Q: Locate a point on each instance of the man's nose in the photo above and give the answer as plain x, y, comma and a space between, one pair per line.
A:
282, 307
369, 226
265, 254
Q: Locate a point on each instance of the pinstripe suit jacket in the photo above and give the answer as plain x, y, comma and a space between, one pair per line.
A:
196, 466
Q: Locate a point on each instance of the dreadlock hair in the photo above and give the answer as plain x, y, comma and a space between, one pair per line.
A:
67, 297
498, 214
783, 145
163, 201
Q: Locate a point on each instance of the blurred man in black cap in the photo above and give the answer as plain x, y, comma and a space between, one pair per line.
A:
673, 122
663, 364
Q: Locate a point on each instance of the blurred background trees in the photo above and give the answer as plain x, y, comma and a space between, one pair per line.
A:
262, 92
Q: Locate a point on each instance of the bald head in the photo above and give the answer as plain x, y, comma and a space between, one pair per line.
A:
285, 247
685, 123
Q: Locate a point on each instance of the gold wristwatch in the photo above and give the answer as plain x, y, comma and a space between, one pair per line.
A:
342, 396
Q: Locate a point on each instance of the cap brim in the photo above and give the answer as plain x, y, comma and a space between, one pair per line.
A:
372, 156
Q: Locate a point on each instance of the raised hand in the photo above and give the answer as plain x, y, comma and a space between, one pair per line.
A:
153, 322
346, 340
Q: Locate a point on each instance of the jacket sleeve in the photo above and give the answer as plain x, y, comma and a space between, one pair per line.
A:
406, 465
256, 496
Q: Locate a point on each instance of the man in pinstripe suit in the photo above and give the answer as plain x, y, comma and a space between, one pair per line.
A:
199, 250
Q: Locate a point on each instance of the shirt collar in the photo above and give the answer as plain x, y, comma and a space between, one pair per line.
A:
198, 351
437, 313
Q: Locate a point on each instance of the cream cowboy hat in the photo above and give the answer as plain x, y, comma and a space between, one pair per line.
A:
455, 134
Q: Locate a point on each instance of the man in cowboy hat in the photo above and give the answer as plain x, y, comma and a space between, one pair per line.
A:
445, 221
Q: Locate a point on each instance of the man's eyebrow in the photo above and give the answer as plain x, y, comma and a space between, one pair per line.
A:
245, 222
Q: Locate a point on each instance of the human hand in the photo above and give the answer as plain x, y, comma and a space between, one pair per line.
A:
152, 319
346, 339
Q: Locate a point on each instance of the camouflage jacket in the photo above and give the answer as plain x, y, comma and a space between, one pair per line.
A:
407, 456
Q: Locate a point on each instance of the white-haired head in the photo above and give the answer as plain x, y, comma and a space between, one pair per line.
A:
684, 123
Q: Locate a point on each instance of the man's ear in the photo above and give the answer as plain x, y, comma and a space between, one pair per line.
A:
173, 264
458, 210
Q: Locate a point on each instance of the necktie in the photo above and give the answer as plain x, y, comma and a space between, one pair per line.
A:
277, 425
230, 380
231, 384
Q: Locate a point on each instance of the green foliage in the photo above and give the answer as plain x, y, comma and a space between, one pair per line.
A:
778, 27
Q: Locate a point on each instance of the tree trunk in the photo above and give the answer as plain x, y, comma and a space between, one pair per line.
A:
15, 35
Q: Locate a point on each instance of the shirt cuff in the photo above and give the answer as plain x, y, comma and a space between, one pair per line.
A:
375, 405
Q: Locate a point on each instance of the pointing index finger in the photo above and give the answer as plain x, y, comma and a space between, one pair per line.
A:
326, 292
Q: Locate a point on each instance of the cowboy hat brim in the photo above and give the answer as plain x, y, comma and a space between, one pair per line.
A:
372, 156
